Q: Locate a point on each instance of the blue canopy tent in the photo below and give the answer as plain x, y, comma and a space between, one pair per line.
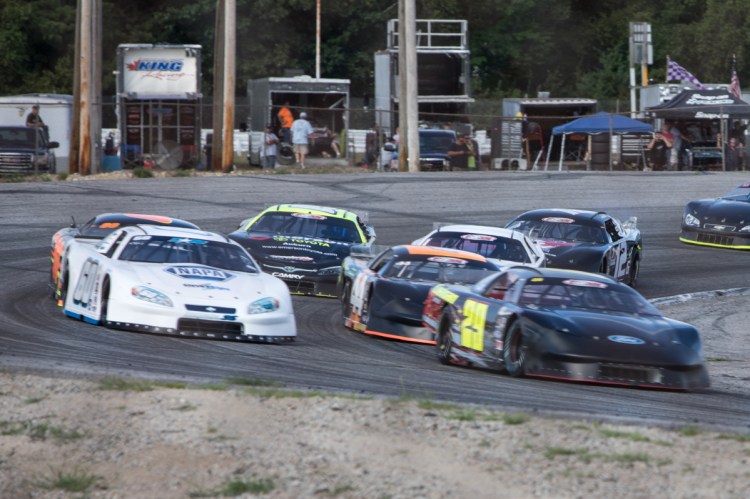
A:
595, 124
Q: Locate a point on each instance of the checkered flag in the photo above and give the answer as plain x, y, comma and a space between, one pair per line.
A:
677, 72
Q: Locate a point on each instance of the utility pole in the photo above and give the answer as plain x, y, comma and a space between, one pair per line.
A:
84, 67
402, 92
75, 132
412, 92
317, 39
222, 158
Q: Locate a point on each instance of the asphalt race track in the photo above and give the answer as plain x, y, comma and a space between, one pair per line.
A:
35, 336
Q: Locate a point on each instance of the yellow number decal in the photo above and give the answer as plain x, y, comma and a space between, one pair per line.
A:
472, 327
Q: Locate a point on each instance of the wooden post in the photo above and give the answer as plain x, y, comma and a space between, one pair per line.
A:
227, 152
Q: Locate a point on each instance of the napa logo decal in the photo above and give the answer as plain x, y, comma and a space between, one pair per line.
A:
156, 65
199, 272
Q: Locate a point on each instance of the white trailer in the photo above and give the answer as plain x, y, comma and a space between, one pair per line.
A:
57, 113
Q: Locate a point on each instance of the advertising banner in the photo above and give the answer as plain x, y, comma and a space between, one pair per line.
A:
160, 72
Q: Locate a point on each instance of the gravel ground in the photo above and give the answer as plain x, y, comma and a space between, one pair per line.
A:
74, 438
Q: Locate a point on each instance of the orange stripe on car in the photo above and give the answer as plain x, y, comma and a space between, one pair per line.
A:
434, 251
397, 337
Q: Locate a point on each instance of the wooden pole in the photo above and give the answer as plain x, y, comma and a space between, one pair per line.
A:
412, 92
402, 121
218, 107
96, 87
317, 39
227, 154
75, 132
84, 147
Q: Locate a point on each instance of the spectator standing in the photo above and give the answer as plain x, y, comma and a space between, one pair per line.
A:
286, 119
301, 130
459, 153
675, 158
733, 153
660, 148
33, 119
270, 146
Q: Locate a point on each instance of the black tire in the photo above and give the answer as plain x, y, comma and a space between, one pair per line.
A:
105, 304
635, 267
64, 287
514, 351
346, 306
443, 340
285, 154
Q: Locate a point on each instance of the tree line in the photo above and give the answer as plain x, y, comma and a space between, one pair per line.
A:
518, 47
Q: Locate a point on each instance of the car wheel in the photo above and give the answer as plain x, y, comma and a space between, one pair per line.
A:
63, 284
346, 306
105, 305
444, 340
514, 351
364, 314
635, 267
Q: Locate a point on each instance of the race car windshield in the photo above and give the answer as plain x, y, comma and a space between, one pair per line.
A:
562, 231
167, 249
438, 269
305, 225
555, 293
501, 248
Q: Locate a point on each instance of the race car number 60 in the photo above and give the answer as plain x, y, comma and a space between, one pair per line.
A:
472, 327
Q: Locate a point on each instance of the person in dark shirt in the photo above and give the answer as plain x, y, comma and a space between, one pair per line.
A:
33, 119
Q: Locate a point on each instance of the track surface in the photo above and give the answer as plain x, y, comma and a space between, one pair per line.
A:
34, 335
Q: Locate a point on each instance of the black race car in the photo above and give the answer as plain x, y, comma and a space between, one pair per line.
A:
384, 296
564, 324
585, 240
304, 245
723, 222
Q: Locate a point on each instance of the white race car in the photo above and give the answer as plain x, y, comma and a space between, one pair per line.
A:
504, 247
176, 281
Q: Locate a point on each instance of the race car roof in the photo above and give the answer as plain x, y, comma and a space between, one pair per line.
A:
313, 210
480, 229
123, 219
181, 232
437, 251
576, 215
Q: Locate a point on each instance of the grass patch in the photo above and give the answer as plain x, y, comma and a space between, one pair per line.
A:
180, 172
12, 428
516, 418
738, 438
628, 457
553, 452
141, 172
238, 487
241, 381
628, 435
124, 385
431, 405
69, 481
185, 408
690, 431
33, 400
62, 176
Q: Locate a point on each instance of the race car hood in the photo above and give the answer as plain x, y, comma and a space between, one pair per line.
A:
571, 255
297, 251
720, 210
622, 337
200, 282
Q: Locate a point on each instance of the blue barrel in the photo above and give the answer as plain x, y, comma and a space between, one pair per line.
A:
111, 163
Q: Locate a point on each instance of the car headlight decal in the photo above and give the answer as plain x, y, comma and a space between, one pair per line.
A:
263, 306
330, 271
151, 295
691, 220
746, 228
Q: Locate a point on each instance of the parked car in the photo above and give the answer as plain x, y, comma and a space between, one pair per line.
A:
564, 324
434, 145
26, 150
722, 222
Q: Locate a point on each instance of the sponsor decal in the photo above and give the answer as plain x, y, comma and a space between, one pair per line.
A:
310, 216
478, 237
156, 65
444, 294
584, 283
296, 258
536, 279
187, 240
109, 225
558, 220
153, 218
627, 340
199, 272
284, 275
447, 259
292, 241
208, 287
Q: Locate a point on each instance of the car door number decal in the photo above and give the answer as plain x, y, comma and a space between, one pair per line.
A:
85, 285
472, 325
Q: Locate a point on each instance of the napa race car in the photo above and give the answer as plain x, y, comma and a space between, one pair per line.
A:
585, 240
564, 324
94, 231
722, 222
175, 281
384, 296
503, 246
304, 245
